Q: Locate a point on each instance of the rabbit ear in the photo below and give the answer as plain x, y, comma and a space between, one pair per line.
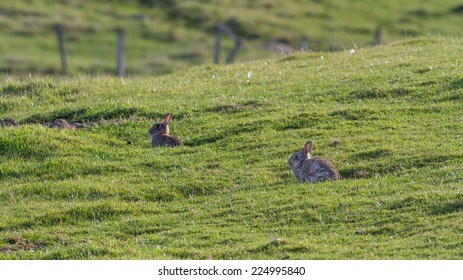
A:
308, 149
168, 119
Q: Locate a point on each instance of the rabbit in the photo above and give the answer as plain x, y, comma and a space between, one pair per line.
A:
312, 169
8, 122
63, 124
160, 134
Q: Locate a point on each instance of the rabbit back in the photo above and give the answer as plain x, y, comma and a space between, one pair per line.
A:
312, 169
316, 169
165, 140
160, 134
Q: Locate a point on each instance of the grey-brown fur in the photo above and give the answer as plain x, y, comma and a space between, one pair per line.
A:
8, 122
160, 134
64, 124
312, 169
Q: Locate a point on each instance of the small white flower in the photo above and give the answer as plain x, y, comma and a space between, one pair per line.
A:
249, 74
322, 57
352, 51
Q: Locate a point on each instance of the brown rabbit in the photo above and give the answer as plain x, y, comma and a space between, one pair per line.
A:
160, 134
63, 124
312, 169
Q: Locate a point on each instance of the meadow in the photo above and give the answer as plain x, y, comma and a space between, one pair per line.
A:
164, 36
388, 117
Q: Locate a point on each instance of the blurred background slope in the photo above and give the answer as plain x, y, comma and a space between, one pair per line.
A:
162, 36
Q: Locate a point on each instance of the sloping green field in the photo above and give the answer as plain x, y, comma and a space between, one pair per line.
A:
390, 118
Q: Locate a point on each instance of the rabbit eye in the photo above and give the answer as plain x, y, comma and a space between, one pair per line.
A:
296, 157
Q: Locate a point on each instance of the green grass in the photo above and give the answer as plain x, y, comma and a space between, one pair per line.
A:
164, 39
103, 193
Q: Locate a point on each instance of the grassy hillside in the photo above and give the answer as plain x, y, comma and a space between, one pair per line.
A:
101, 192
162, 38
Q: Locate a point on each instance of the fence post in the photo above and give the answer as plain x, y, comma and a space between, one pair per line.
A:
120, 53
377, 36
59, 34
304, 44
234, 51
222, 28
218, 37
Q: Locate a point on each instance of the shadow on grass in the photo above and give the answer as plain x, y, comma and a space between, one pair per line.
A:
446, 208
250, 105
431, 206
247, 128
72, 216
374, 166
280, 247
29, 88
85, 114
300, 120
375, 93
374, 154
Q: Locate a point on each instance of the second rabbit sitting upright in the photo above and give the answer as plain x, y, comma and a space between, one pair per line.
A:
160, 134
